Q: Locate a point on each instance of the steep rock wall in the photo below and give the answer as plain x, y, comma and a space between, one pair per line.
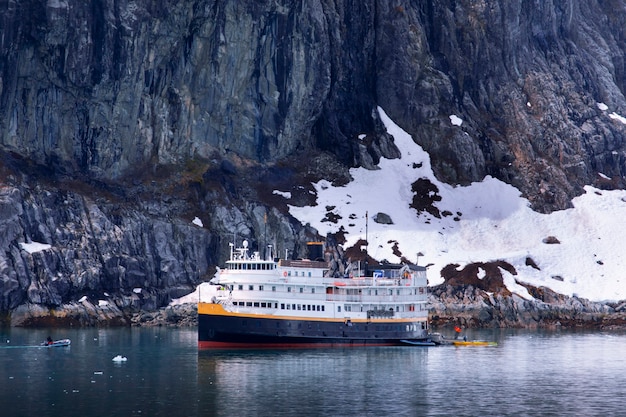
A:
525, 77
107, 88
121, 120
93, 253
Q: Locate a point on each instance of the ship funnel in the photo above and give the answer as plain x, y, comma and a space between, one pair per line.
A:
315, 251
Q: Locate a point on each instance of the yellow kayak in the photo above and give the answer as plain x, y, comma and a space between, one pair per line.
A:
473, 343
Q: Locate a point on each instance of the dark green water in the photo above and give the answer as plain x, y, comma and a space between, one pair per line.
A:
528, 374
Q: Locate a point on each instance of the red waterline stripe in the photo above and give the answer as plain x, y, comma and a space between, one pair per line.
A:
231, 345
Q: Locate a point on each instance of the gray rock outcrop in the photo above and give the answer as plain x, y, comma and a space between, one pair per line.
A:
92, 258
472, 307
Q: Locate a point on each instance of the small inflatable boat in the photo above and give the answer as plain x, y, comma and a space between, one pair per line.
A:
56, 343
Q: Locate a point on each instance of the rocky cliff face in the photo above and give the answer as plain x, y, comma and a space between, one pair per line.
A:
120, 121
101, 257
108, 89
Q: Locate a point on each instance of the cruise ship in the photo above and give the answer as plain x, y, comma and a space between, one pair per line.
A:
270, 303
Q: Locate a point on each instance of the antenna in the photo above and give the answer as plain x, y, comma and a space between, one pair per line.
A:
366, 243
264, 228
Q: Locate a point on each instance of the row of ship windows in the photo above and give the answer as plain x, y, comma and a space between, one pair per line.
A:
283, 306
409, 307
355, 326
251, 288
295, 273
420, 290
307, 307
249, 266
265, 267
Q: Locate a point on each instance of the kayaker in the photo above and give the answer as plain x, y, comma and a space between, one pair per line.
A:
457, 330
49, 340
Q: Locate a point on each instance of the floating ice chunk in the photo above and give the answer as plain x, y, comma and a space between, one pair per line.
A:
103, 303
137, 290
197, 222
82, 299
603, 106
120, 358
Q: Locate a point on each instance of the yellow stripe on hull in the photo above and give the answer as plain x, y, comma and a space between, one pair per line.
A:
214, 309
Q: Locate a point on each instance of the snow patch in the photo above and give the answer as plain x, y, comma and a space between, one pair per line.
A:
489, 221
456, 120
285, 194
618, 117
34, 247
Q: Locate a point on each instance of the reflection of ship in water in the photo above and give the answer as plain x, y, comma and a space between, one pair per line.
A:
257, 302
280, 382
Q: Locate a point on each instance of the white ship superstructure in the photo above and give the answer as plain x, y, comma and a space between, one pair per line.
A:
272, 302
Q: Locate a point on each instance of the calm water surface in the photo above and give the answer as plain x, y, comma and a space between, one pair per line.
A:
527, 374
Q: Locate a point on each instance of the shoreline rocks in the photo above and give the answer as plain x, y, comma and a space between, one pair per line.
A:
472, 307
181, 315
86, 314
466, 306
83, 314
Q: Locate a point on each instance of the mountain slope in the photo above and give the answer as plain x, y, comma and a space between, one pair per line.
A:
574, 252
123, 121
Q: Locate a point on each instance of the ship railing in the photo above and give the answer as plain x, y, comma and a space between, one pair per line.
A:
375, 282
377, 298
303, 263
419, 315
